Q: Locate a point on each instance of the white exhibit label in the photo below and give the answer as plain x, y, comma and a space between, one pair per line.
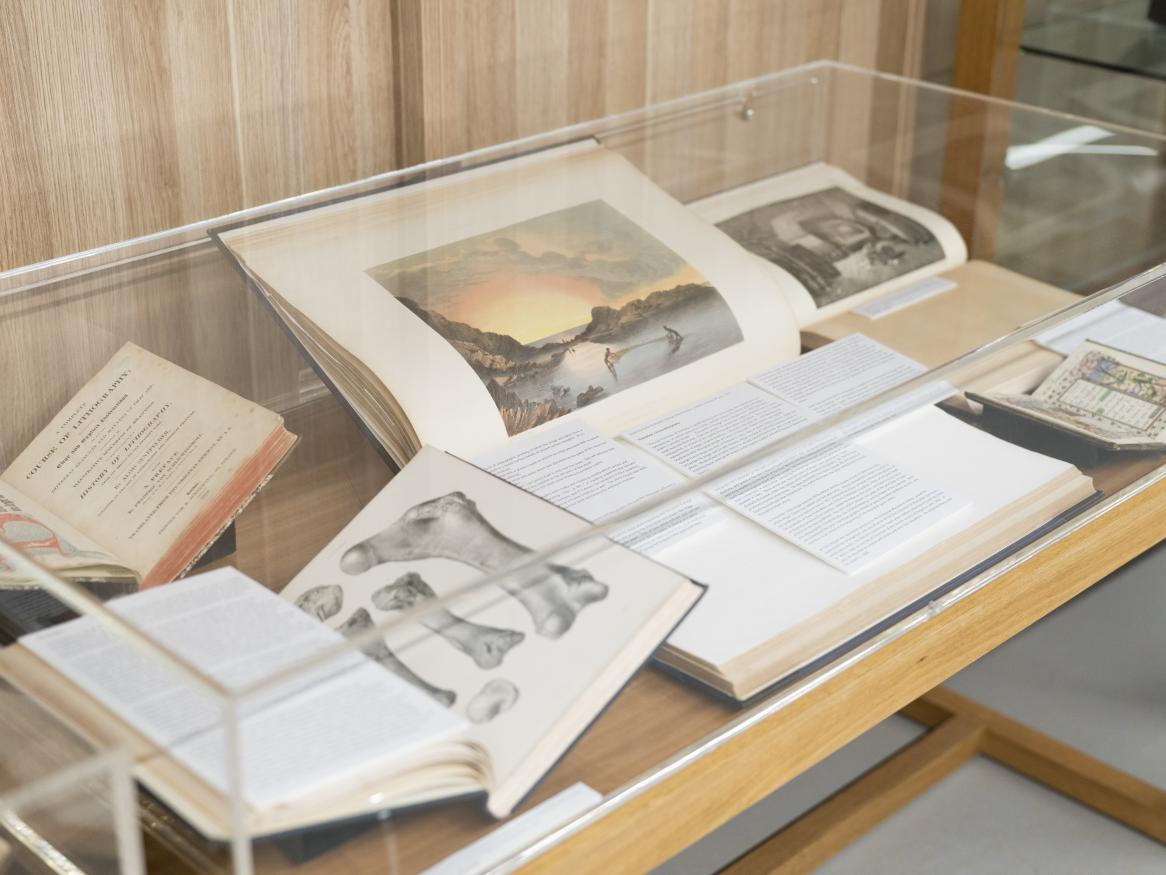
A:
511, 837
703, 436
839, 502
894, 301
578, 469
839, 374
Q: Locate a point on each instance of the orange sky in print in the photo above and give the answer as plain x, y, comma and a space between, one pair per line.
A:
542, 276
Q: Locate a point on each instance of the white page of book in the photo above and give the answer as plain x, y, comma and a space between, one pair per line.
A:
1115, 324
444, 523
850, 232
578, 469
139, 453
839, 375
702, 436
760, 585
475, 246
238, 632
840, 502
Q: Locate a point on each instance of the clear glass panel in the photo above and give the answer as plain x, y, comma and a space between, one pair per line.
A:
65, 805
1045, 215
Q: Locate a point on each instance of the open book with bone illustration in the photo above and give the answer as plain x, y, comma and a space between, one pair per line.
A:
560, 304
452, 689
528, 659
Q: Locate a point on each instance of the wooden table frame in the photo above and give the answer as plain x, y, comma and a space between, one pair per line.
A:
654, 819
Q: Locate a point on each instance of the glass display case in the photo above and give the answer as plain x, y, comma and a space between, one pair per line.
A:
66, 804
1037, 246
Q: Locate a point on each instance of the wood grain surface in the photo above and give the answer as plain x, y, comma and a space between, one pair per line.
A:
334, 473
124, 117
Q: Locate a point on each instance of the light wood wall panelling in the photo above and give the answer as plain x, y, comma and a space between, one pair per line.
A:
125, 118
116, 120
315, 94
985, 61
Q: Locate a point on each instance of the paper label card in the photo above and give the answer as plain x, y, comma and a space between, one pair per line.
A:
897, 300
703, 436
839, 502
839, 374
591, 475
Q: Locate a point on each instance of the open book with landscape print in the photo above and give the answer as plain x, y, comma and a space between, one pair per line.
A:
559, 313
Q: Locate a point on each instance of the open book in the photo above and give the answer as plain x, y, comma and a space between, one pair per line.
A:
1107, 397
137, 475
467, 309
562, 299
481, 695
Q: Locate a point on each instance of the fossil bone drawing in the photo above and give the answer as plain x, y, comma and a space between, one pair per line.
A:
485, 645
497, 696
451, 527
377, 649
322, 602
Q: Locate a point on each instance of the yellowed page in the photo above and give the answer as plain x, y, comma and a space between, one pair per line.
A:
138, 453
49, 541
556, 256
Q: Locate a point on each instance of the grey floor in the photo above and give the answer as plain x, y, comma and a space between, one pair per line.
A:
1091, 674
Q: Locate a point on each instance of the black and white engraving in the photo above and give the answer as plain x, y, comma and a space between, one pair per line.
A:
451, 527
834, 243
322, 602
495, 697
378, 650
486, 645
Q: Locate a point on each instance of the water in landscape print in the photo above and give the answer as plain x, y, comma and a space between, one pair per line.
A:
563, 310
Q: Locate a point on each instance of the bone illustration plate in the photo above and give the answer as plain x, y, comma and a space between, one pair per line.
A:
527, 657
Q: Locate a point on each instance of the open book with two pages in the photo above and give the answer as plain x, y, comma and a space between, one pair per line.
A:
562, 306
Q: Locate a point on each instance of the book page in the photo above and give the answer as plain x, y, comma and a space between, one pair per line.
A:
829, 242
237, 632
1103, 391
49, 541
1115, 324
840, 374
839, 502
529, 659
139, 453
760, 586
578, 469
712, 432
563, 284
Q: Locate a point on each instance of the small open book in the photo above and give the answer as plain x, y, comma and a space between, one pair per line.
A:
137, 475
481, 694
1113, 399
